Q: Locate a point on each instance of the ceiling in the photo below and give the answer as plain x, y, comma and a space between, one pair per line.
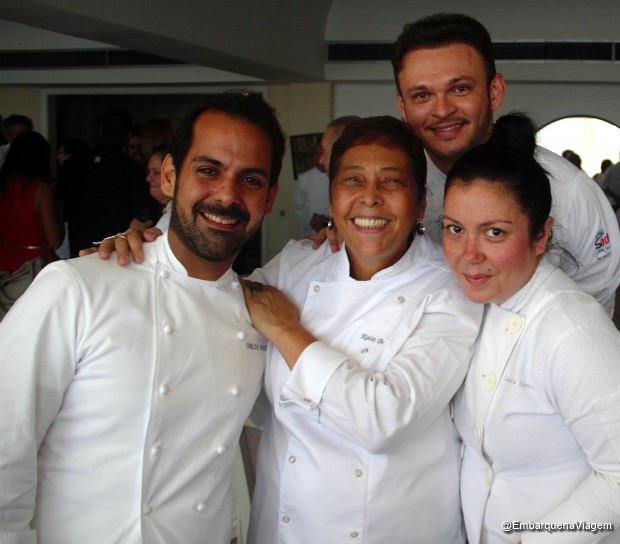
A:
277, 41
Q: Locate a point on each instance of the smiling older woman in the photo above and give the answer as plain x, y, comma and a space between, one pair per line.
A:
367, 351
539, 410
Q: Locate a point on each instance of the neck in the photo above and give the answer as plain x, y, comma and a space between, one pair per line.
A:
196, 266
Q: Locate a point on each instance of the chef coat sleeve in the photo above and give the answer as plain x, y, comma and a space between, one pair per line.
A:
592, 237
584, 384
379, 409
38, 347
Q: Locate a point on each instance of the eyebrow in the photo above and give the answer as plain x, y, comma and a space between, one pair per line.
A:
204, 159
451, 81
485, 224
381, 168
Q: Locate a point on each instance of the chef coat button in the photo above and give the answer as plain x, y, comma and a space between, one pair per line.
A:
220, 449
146, 509
163, 389
401, 299
240, 335
489, 380
365, 350
285, 519
235, 391
164, 274
234, 284
358, 473
477, 433
354, 534
316, 288
462, 450
155, 451
200, 507
514, 324
488, 475
292, 459
168, 329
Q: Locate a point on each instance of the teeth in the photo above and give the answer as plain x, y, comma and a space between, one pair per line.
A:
368, 223
221, 220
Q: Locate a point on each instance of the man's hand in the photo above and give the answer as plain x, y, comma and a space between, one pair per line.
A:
325, 234
127, 247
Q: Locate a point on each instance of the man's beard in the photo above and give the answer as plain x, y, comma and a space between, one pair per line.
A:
211, 245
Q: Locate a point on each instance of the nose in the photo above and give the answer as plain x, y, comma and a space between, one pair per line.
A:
444, 107
371, 195
226, 191
472, 252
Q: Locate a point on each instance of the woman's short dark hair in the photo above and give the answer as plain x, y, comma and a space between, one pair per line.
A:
240, 105
515, 171
386, 131
442, 29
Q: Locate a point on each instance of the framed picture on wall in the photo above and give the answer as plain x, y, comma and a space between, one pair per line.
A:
303, 151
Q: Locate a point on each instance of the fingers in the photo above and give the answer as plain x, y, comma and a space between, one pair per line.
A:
333, 239
150, 235
88, 251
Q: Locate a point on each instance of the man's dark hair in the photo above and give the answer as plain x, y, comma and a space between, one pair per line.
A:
243, 105
440, 30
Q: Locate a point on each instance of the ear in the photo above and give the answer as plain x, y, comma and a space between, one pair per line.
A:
497, 91
400, 103
168, 176
271, 197
540, 245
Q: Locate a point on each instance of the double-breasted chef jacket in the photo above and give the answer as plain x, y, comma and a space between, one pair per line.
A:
539, 414
359, 445
122, 394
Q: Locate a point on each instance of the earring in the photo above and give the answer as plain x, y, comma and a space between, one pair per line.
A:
420, 228
330, 224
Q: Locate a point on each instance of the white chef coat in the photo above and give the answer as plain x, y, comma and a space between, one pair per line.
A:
127, 389
539, 414
311, 196
584, 224
360, 446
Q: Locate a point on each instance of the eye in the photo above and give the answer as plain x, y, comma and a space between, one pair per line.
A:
207, 171
420, 96
461, 89
452, 229
393, 183
494, 232
349, 181
254, 182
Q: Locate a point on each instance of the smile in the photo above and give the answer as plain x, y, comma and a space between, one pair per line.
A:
370, 223
446, 129
221, 220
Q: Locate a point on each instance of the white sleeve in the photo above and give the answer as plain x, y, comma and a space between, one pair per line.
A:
584, 380
378, 409
586, 226
38, 339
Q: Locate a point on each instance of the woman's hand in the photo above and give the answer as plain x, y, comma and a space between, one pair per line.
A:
277, 319
331, 235
128, 245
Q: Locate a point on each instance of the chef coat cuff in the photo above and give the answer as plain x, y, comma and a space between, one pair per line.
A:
310, 375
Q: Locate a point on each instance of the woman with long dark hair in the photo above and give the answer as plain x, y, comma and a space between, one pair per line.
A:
29, 223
